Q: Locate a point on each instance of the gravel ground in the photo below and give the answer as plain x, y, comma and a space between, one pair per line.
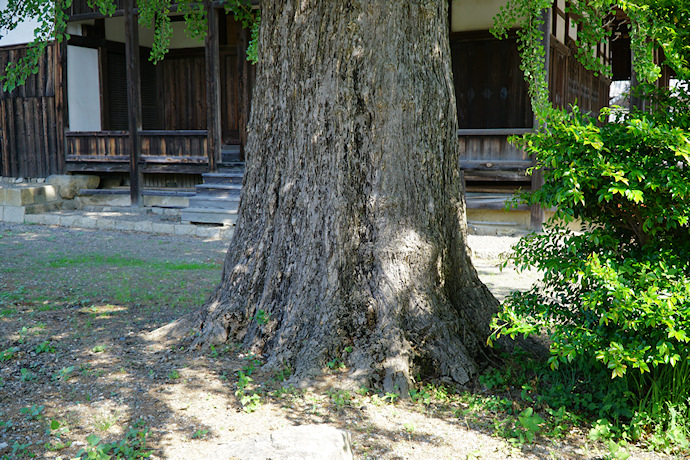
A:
92, 296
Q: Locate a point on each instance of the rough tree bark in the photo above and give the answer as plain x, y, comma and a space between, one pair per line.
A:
352, 229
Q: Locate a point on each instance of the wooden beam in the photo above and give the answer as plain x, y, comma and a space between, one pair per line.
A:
494, 132
212, 87
500, 165
133, 101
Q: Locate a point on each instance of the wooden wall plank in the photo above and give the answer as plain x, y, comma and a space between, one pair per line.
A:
4, 140
28, 147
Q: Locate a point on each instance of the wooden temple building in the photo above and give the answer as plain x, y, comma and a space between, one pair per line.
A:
74, 115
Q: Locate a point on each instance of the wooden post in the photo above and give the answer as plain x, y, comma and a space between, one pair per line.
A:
61, 109
212, 88
635, 100
536, 211
133, 101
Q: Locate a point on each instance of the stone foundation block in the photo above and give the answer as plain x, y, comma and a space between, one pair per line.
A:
69, 186
13, 214
124, 225
185, 230
86, 222
34, 219
145, 227
163, 228
68, 221
105, 224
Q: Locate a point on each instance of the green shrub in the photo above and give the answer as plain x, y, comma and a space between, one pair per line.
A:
615, 295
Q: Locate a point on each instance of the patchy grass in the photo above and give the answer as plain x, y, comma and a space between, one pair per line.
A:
78, 373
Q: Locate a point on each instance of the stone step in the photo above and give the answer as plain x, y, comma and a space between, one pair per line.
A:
230, 154
231, 166
496, 228
26, 195
212, 202
219, 190
209, 216
230, 148
125, 191
230, 177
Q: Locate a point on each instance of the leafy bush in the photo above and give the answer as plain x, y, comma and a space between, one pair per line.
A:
615, 295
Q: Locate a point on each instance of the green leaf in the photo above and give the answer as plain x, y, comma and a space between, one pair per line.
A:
93, 440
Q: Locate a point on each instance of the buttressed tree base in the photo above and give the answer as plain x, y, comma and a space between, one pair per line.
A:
351, 239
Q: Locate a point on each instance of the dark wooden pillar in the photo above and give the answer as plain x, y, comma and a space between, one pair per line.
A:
536, 211
243, 89
61, 109
213, 87
133, 100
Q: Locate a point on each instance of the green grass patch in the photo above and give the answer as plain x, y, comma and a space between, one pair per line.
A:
98, 260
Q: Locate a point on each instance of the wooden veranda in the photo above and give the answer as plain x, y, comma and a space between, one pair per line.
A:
181, 116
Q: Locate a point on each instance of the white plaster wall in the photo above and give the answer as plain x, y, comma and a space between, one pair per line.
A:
474, 14
115, 31
23, 33
83, 96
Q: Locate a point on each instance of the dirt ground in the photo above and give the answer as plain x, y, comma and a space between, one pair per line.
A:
76, 365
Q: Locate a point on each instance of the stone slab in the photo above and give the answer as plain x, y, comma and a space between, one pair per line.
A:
185, 230
44, 194
69, 185
86, 222
68, 221
34, 219
51, 219
13, 214
102, 200
105, 224
124, 225
152, 200
13, 197
145, 227
305, 442
28, 195
208, 232
163, 228
41, 208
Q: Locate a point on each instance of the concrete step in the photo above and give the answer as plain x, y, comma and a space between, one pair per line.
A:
209, 216
212, 202
230, 177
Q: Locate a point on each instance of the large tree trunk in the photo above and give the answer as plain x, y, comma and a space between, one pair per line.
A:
352, 229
